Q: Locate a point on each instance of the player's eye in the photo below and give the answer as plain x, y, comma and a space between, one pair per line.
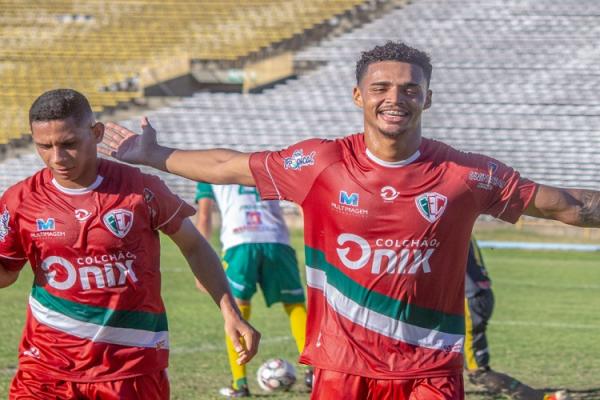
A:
69, 145
377, 89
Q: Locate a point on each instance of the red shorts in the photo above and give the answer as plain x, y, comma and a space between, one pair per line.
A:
329, 385
144, 387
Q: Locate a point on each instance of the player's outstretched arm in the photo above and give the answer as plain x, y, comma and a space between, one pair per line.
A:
220, 166
206, 266
7, 277
578, 207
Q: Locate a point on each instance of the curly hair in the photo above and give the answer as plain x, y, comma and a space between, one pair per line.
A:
393, 51
60, 104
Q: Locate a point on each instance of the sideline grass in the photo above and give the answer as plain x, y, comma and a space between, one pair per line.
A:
545, 330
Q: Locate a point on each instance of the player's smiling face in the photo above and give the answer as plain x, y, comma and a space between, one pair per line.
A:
69, 149
393, 95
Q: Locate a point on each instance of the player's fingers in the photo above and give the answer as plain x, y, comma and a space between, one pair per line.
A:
106, 151
117, 131
251, 339
145, 123
110, 142
237, 344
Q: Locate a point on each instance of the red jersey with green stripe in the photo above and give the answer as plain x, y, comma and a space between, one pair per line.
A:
95, 311
386, 248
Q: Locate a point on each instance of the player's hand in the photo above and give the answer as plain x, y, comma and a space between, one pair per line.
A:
244, 338
127, 146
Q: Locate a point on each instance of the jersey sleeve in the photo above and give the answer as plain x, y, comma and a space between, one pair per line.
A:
12, 253
167, 210
204, 191
499, 190
290, 173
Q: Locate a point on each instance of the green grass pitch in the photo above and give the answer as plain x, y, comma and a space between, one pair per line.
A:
545, 330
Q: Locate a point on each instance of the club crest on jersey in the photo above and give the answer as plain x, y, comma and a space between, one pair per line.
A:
119, 222
431, 205
299, 160
4, 220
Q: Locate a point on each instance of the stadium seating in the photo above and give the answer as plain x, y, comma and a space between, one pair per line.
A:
515, 80
110, 49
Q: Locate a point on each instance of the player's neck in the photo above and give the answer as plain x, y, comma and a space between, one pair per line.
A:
393, 149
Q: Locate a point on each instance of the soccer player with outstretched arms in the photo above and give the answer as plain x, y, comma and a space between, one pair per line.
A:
388, 217
96, 325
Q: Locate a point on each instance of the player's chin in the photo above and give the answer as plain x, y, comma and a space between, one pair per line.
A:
64, 173
394, 132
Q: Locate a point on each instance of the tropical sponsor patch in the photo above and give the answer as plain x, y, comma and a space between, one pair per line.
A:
431, 205
119, 222
299, 160
4, 220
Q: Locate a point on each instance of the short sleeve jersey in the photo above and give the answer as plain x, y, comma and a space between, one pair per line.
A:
95, 311
245, 217
386, 248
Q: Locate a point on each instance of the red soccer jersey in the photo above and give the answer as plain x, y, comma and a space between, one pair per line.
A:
95, 311
386, 248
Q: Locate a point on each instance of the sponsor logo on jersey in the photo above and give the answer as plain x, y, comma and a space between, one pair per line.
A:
4, 220
388, 193
348, 199
253, 218
32, 352
431, 205
487, 181
82, 214
119, 222
391, 256
92, 272
348, 204
299, 160
45, 224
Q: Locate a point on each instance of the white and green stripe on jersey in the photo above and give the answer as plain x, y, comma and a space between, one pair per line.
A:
97, 324
392, 318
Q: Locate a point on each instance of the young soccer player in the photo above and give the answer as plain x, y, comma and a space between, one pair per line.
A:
256, 249
388, 217
96, 325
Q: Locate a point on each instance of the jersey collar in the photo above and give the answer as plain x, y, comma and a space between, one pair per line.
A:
79, 191
393, 164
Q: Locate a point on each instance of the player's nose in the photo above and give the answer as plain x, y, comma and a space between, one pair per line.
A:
59, 155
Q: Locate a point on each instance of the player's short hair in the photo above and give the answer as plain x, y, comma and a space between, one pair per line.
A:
60, 104
393, 51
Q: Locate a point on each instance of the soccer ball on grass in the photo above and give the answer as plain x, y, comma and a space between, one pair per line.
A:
276, 375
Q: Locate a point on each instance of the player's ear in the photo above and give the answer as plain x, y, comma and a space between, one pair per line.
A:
428, 99
98, 131
357, 97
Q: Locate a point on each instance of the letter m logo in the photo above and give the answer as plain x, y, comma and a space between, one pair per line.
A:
45, 225
349, 200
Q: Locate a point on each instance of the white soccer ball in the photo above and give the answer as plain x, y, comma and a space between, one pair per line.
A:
276, 375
